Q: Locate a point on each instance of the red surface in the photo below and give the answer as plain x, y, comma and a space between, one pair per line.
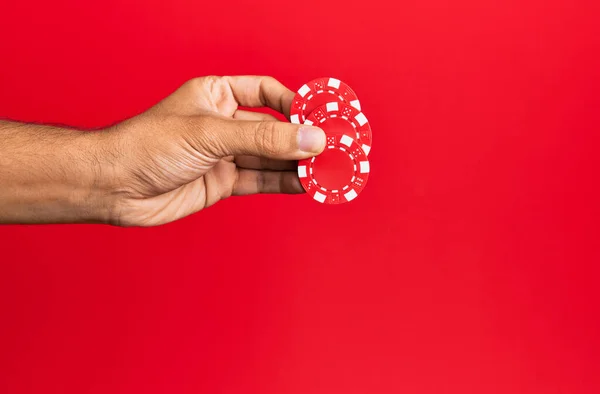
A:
468, 265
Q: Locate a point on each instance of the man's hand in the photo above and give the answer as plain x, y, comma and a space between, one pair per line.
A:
189, 151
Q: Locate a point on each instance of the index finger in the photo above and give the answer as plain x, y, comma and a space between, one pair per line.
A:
261, 91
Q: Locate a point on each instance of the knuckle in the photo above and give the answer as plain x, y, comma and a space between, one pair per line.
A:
268, 80
209, 80
200, 83
203, 124
201, 80
193, 83
268, 139
204, 131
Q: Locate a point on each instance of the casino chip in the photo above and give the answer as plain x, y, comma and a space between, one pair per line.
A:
339, 119
337, 175
318, 92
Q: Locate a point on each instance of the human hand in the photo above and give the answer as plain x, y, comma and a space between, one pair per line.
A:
196, 147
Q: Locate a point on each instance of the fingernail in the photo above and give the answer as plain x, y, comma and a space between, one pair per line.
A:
311, 139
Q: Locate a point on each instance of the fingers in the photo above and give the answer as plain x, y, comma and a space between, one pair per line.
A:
253, 182
249, 115
258, 91
274, 140
224, 94
263, 163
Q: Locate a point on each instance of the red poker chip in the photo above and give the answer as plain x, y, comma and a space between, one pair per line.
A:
337, 175
339, 119
318, 92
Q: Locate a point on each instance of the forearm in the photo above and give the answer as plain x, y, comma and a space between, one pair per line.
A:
51, 175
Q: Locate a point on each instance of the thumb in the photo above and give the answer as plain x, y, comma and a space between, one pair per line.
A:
270, 139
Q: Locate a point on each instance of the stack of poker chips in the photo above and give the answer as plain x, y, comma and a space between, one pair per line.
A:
341, 171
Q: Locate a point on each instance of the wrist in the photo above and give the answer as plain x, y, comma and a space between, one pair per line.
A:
96, 185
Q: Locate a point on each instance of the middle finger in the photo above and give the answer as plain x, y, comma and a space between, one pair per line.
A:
262, 163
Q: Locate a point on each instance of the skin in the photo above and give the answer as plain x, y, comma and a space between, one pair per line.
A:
189, 151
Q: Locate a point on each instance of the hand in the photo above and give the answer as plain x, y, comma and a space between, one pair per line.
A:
196, 147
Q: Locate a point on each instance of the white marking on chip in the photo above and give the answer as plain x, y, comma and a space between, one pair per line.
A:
367, 149
320, 197
361, 119
355, 104
302, 171
332, 107
295, 119
346, 140
303, 90
364, 167
308, 122
334, 83
351, 195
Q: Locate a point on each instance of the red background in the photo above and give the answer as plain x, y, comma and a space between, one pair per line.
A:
468, 265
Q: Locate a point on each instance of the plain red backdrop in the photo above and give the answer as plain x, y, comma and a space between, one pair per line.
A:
468, 265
